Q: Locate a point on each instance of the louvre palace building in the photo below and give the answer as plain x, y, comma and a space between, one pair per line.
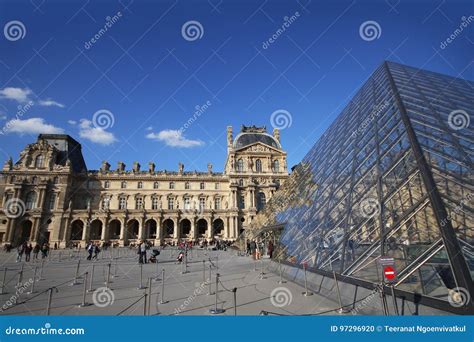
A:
49, 195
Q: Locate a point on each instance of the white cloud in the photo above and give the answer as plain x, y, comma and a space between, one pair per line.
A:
31, 126
95, 134
72, 122
149, 128
50, 103
174, 138
16, 94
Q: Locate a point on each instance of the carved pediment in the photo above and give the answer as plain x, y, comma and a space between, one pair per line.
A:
260, 147
42, 150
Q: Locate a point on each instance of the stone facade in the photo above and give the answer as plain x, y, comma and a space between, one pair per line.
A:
49, 195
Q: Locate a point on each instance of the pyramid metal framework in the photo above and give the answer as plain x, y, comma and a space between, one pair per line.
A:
392, 177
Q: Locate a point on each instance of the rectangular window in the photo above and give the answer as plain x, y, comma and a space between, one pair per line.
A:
52, 202
187, 203
217, 203
242, 202
105, 203
154, 203
170, 203
217, 186
202, 204
122, 203
202, 186
139, 203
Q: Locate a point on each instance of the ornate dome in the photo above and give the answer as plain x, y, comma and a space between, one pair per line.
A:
251, 135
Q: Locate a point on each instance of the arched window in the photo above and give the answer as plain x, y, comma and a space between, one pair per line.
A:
140, 185
171, 185
258, 165
202, 186
106, 184
123, 185
276, 166
30, 200
156, 185
39, 161
240, 165
187, 186
261, 201
241, 182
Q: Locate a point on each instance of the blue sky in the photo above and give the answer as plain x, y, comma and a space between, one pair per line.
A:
147, 76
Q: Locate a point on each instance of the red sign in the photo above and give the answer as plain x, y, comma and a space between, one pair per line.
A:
389, 272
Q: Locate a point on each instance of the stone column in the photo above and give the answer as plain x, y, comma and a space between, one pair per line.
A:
193, 229
141, 229
209, 229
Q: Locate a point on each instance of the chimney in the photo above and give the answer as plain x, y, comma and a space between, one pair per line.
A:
276, 134
230, 138
120, 166
105, 166
151, 167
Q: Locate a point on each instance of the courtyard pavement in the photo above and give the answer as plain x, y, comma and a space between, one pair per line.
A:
186, 291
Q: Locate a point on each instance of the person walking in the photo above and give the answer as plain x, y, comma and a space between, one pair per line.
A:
44, 251
96, 251
36, 251
253, 249
28, 250
270, 249
19, 252
90, 250
142, 252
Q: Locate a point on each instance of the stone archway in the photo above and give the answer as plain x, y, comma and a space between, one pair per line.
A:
202, 228
168, 228
132, 229
218, 228
151, 229
77, 227
96, 230
115, 226
24, 233
185, 228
